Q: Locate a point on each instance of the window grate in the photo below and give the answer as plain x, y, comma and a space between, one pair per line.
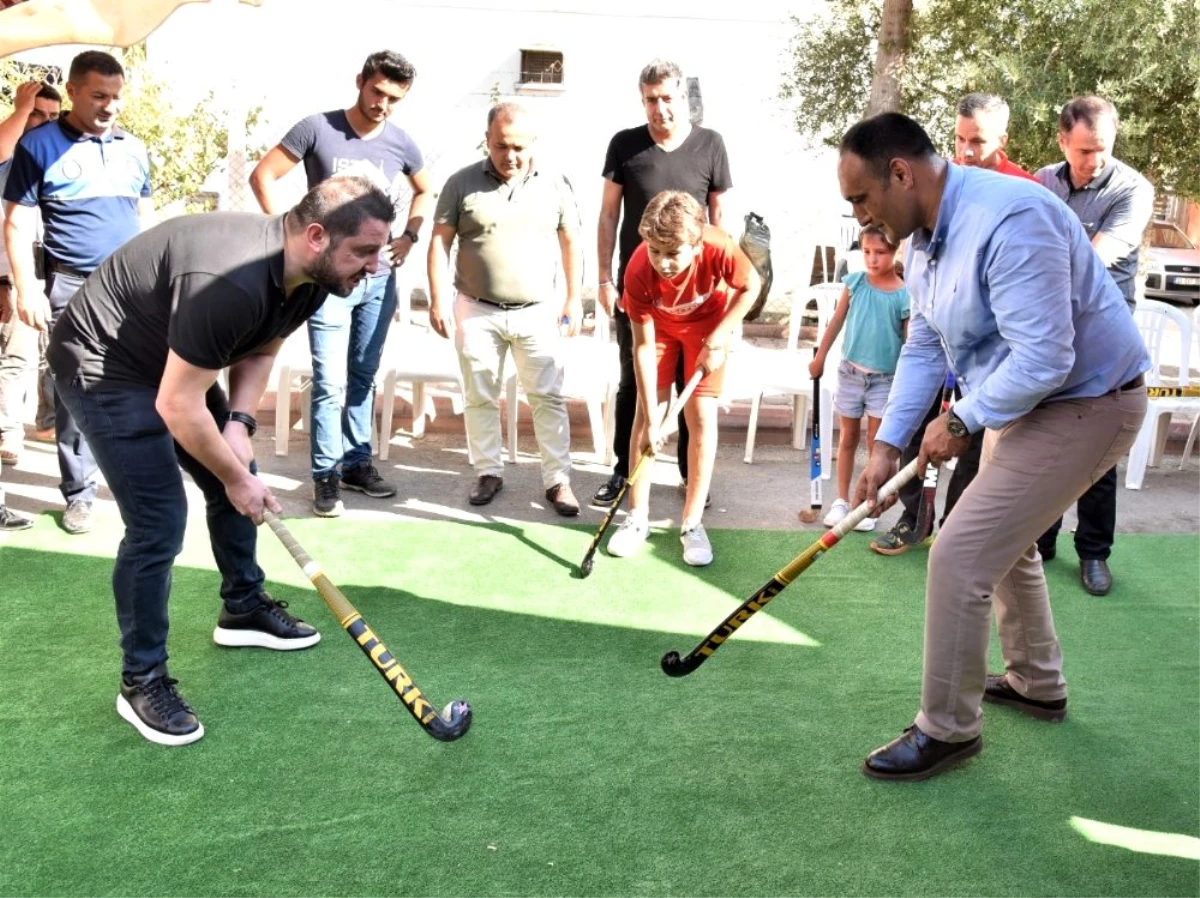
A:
541, 67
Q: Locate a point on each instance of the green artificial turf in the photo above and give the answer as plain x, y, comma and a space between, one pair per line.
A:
587, 771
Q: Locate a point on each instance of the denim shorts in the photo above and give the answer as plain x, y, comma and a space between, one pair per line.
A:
859, 392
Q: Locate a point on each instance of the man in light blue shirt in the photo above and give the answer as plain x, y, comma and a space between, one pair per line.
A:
1008, 293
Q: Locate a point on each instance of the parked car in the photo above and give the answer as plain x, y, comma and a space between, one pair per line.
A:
1173, 265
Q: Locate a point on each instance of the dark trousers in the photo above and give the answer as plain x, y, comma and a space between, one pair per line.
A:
76, 465
627, 401
1097, 511
964, 470
141, 463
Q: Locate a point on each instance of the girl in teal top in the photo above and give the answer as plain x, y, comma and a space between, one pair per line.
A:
874, 309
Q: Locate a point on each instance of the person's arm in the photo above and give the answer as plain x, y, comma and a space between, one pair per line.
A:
816, 368
606, 243
716, 345
716, 207
441, 305
181, 405
13, 127
20, 228
273, 166
572, 262
105, 23
418, 210
645, 370
1124, 223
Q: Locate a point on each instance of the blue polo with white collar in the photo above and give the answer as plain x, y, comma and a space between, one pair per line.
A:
87, 186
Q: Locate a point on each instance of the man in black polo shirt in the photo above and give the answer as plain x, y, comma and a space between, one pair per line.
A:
136, 356
666, 153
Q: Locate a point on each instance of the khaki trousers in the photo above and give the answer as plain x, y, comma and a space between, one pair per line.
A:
1032, 470
484, 336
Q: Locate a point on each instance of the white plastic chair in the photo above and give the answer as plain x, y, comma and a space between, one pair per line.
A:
420, 357
1153, 318
293, 369
1194, 433
785, 372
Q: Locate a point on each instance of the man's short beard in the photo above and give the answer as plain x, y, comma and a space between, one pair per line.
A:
322, 274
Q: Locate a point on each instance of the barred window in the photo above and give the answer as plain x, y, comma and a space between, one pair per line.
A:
541, 67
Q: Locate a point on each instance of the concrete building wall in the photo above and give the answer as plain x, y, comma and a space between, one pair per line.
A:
298, 57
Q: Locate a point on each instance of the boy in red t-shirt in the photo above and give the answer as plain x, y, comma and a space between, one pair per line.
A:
686, 288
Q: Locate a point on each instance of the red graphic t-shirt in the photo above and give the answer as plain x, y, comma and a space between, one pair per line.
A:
699, 294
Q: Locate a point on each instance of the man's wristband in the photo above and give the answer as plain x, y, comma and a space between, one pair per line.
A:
243, 418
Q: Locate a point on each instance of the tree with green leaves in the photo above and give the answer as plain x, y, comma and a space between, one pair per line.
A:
1037, 54
184, 147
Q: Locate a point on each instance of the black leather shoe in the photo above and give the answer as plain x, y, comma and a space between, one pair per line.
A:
485, 489
608, 493
1094, 575
998, 692
916, 756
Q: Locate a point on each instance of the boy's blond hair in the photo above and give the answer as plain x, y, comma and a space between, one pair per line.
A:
672, 218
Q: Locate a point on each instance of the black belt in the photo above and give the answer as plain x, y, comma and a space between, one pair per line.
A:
501, 305
1139, 381
55, 268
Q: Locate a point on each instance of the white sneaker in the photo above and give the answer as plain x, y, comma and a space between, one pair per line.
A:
865, 524
697, 550
629, 538
837, 511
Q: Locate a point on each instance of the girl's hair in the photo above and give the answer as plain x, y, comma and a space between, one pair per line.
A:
877, 232
672, 217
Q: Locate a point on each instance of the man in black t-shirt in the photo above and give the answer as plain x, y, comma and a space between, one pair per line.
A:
667, 153
136, 356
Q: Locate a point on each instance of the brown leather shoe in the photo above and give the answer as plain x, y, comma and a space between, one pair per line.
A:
999, 692
917, 756
563, 500
485, 489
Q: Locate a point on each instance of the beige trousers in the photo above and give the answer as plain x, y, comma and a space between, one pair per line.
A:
484, 336
1032, 470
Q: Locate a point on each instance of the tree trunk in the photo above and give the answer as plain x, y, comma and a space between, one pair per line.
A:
893, 44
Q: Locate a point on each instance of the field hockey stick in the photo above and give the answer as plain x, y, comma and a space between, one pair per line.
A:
1173, 392
814, 458
675, 666
455, 719
585, 566
928, 501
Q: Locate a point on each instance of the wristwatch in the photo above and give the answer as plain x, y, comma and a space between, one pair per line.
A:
955, 425
411, 235
242, 418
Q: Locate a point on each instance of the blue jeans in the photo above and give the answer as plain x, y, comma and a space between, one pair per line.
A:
141, 461
76, 465
346, 336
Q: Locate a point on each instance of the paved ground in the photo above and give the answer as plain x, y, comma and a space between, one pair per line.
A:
433, 480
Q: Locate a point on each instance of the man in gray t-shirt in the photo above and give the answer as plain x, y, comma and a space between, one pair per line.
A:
347, 335
1114, 204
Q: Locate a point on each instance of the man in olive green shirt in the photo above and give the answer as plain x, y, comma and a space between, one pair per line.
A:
514, 221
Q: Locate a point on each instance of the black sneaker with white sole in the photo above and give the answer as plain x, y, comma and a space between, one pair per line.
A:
267, 626
327, 502
365, 478
154, 708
